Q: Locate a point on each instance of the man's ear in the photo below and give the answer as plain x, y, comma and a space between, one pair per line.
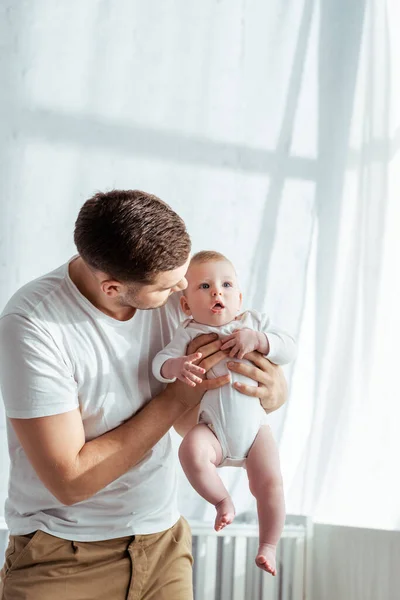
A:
185, 306
111, 288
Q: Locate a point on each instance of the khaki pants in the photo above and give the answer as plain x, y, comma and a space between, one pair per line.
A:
158, 566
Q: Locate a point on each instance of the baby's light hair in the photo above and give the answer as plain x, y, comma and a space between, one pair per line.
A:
207, 256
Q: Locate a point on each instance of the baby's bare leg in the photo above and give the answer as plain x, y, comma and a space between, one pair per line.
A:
265, 480
200, 453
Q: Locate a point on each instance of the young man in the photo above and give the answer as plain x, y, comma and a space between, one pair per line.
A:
92, 495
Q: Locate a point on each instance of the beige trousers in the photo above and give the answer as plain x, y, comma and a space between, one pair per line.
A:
158, 566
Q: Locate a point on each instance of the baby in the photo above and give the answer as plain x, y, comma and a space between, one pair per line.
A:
232, 429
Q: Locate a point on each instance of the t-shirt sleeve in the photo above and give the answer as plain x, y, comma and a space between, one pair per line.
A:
35, 380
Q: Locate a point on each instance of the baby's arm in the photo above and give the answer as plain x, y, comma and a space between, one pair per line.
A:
282, 346
277, 345
171, 363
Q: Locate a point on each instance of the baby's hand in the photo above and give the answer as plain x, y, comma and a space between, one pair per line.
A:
242, 341
182, 368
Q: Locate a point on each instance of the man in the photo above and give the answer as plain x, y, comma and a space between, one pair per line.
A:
91, 506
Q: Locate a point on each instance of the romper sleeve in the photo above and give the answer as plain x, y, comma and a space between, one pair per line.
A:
282, 346
176, 348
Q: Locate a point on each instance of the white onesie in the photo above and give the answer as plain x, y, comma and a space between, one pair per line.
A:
233, 418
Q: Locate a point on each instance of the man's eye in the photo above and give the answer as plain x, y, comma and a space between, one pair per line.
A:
227, 284
204, 286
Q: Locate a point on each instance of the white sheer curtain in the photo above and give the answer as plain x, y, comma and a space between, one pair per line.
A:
350, 459
271, 128
327, 255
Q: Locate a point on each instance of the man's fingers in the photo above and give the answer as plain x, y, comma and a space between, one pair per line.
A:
212, 384
250, 370
202, 341
211, 348
272, 386
228, 344
210, 362
248, 390
260, 361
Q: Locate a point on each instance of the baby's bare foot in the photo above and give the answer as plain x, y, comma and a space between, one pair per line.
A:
225, 513
266, 558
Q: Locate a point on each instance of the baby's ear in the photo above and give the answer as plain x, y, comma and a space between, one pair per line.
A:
185, 306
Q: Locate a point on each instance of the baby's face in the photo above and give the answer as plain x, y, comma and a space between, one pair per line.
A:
212, 296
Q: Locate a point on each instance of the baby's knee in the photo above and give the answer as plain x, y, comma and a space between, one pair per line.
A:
262, 485
191, 451
198, 448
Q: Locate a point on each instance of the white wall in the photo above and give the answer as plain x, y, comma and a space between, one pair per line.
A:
355, 564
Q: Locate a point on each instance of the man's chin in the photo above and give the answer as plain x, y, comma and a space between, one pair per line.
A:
153, 307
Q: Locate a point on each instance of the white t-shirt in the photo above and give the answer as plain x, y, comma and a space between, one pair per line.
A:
58, 352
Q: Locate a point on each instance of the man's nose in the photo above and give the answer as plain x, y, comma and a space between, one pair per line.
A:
182, 285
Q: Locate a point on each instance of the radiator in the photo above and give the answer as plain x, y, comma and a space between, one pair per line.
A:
224, 567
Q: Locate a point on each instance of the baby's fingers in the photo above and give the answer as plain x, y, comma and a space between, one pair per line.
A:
228, 344
192, 377
194, 369
186, 380
234, 351
193, 357
242, 353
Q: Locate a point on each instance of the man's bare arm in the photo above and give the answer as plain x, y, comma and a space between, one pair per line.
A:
73, 470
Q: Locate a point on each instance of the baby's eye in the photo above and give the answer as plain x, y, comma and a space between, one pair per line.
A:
227, 284
204, 286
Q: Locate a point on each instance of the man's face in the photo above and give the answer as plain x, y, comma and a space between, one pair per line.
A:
156, 294
213, 296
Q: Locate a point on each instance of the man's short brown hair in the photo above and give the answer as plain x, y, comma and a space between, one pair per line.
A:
131, 235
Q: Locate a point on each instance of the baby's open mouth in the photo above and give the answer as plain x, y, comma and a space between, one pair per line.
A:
217, 307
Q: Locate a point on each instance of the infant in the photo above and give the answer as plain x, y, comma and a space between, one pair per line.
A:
232, 430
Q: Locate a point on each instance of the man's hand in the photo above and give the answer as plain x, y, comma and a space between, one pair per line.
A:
272, 387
